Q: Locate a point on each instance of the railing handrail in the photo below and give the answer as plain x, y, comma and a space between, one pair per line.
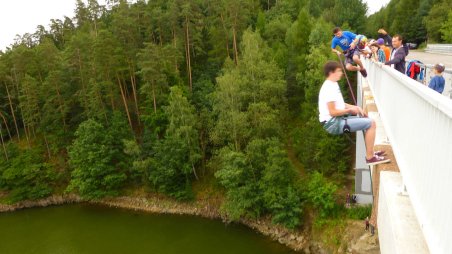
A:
439, 47
418, 122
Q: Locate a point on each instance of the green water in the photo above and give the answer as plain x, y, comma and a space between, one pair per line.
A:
87, 229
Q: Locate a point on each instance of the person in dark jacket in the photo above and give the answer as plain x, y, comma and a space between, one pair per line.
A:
385, 36
398, 54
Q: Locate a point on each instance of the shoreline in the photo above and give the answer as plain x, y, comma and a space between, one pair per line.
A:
295, 240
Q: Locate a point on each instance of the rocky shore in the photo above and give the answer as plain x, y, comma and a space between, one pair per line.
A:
49, 201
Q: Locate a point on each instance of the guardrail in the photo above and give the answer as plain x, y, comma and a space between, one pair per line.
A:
418, 122
439, 48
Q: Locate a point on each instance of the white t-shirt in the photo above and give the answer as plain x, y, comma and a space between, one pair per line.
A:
329, 92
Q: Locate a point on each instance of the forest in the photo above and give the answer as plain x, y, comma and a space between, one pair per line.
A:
176, 97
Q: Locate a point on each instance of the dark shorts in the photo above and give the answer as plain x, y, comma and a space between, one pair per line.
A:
349, 55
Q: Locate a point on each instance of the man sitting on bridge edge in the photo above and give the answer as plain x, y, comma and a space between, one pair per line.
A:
338, 117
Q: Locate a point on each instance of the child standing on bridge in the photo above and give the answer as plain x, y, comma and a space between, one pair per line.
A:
437, 82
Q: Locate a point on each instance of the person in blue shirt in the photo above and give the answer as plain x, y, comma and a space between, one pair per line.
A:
437, 82
348, 42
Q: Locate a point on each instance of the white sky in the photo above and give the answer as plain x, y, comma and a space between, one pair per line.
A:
375, 5
23, 16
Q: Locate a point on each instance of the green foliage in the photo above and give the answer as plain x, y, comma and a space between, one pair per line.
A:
297, 37
359, 212
250, 96
318, 150
436, 18
174, 163
182, 124
97, 158
280, 196
240, 183
169, 169
258, 181
415, 20
25, 175
446, 29
321, 194
351, 12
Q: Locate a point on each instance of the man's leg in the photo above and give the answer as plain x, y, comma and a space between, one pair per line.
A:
358, 61
349, 62
351, 67
368, 125
369, 138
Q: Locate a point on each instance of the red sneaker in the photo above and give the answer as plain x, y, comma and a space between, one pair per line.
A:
376, 160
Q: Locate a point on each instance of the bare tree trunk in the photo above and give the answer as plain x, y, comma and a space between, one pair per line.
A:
187, 34
236, 53
12, 111
6, 124
47, 145
111, 95
125, 103
226, 35
27, 131
33, 130
81, 77
3, 143
194, 171
160, 35
153, 95
175, 47
60, 101
134, 89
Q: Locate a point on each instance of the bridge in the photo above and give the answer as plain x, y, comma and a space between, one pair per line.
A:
411, 205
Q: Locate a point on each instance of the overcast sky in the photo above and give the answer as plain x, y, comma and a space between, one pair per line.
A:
23, 16
375, 5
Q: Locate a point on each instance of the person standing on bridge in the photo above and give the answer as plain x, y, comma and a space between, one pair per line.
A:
385, 49
437, 82
377, 53
349, 43
338, 117
398, 54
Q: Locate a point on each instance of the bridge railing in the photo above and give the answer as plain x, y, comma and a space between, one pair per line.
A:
418, 122
439, 48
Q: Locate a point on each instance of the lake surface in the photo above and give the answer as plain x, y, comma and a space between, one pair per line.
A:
84, 228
